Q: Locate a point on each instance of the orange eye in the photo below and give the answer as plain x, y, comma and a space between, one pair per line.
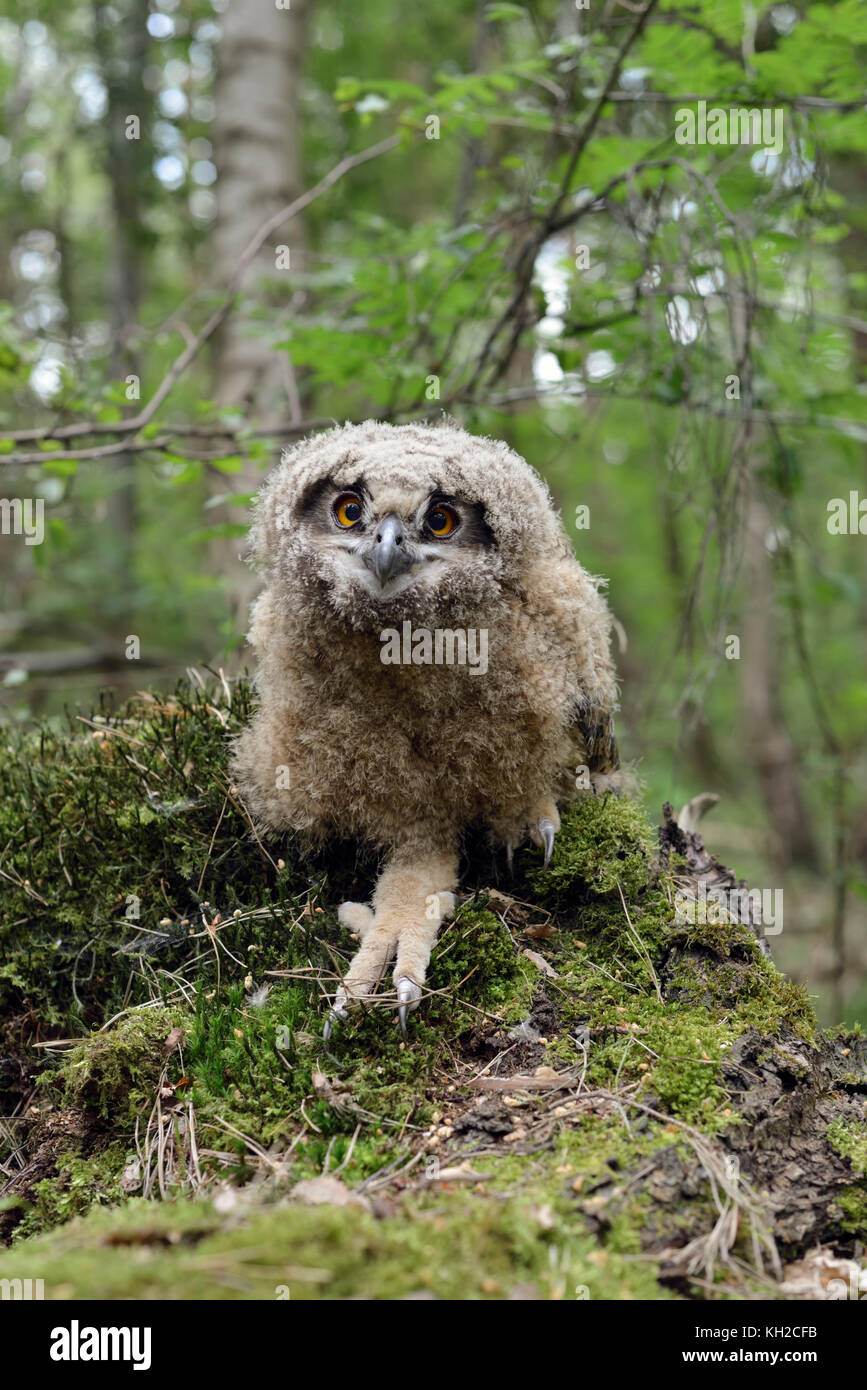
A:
441, 520
347, 509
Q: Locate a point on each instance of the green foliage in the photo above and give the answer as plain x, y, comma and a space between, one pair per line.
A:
414, 262
133, 888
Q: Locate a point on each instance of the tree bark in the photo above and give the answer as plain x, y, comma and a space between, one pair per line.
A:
122, 50
767, 737
258, 157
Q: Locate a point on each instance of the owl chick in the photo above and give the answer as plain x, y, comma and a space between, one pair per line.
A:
431, 658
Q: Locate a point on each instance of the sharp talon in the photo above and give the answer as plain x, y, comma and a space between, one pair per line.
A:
335, 1015
408, 995
547, 833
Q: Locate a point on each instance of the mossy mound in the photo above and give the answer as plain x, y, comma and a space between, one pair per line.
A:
582, 1075
122, 837
448, 1244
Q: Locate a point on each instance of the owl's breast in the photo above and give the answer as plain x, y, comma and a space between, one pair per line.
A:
388, 745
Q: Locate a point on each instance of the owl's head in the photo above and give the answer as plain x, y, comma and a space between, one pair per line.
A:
383, 522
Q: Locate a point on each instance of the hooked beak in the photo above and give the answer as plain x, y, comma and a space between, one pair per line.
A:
387, 557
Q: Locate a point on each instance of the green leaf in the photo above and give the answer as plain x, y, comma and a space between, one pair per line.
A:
503, 13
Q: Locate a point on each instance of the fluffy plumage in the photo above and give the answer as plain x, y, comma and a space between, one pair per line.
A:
408, 757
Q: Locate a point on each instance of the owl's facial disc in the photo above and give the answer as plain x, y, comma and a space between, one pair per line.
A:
387, 543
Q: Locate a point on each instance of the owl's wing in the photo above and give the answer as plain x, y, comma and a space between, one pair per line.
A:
594, 727
584, 625
574, 629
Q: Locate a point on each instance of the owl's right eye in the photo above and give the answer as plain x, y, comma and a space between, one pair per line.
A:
347, 510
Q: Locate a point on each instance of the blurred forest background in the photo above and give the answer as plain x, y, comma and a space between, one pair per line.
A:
490, 215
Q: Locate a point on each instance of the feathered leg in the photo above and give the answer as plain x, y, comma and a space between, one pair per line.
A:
415, 891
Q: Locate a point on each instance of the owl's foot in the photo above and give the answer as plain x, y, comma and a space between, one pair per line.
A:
542, 834
368, 965
336, 1014
408, 997
358, 919
414, 945
383, 936
544, 830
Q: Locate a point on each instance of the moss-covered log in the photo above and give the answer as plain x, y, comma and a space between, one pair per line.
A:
595, 1095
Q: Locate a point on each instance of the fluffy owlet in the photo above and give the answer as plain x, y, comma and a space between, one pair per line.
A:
431, 658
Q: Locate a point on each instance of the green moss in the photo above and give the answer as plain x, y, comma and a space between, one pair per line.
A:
674, 1053
114, 1073
80, 1183
475, 950
118, 840
850, 1143
852, 1202
451, 1244
751, 990
602, 841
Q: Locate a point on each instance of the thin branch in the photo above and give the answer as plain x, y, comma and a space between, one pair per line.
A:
853, 429
195, 343
527, 261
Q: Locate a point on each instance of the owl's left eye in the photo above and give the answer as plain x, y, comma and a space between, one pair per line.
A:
347, 510
441, 520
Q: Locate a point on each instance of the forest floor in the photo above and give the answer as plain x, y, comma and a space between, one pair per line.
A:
596, 1099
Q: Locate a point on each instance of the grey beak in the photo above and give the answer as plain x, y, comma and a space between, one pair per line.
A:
389, 555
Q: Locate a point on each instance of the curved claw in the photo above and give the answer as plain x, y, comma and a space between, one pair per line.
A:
547, 832
337, 1014
408, 995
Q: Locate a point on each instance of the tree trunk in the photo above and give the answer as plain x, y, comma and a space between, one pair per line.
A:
258, 158
121, 46
768, 741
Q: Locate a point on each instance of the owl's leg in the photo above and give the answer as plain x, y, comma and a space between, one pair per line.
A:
414, 950
413, 894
